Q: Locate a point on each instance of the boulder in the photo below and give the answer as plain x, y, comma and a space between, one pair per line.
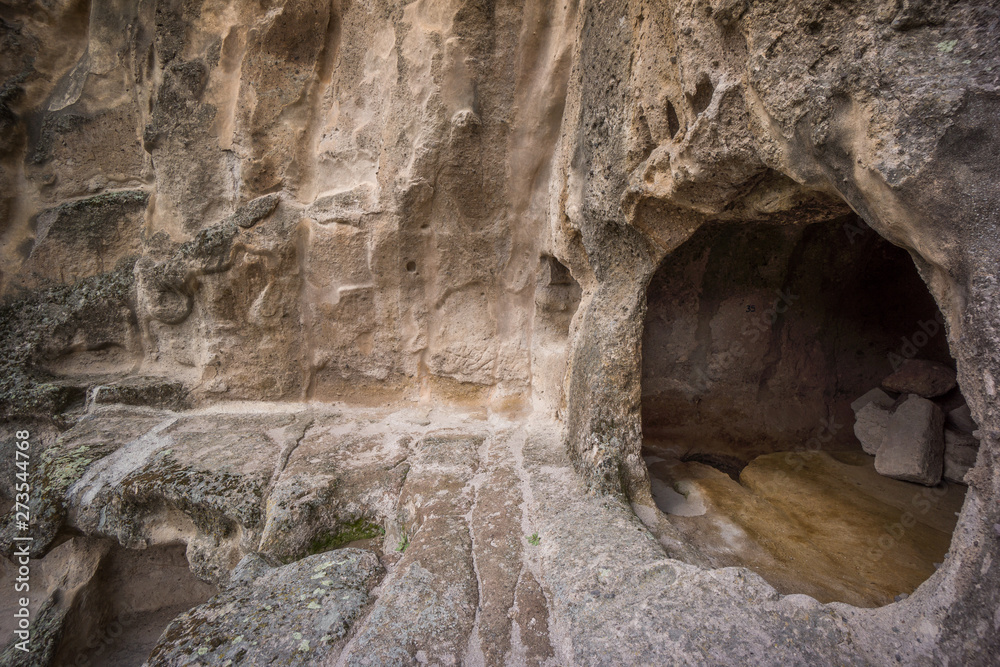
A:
954, 438
921, 377
215, 470
960, 452
875, 396
297, 614
960, 419
913, 449
870, 423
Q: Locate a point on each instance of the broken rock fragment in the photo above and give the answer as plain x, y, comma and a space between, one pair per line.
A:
875, 397
960, 419
913, 449
960, 452
871, 416
870, 423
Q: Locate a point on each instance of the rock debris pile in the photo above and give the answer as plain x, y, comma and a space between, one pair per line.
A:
911, 436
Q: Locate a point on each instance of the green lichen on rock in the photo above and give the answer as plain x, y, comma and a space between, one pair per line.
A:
62, 464
66, 467
216, 501
38, 326
293, 620
359, 529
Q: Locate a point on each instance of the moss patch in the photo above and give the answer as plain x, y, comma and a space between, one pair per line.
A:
361, 529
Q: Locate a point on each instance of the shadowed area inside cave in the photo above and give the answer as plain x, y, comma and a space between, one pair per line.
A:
139, 592
757, 340
115, 602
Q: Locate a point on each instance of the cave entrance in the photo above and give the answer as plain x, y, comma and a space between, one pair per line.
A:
757, 340
119, 616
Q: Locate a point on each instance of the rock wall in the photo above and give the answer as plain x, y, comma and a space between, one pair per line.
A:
403, 155
462, 201
788, 112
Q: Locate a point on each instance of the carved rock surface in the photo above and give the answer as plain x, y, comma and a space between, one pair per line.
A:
445, 215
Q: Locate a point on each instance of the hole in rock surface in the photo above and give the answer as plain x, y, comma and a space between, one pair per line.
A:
673, 123
703, 92
757, 340
134, 595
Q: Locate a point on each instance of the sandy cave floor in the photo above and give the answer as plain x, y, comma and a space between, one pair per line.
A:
820, 523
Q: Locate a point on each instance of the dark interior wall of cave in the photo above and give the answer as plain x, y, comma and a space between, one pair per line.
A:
757, 338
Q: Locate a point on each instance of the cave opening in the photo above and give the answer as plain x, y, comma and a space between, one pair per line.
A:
799, 409
120, 614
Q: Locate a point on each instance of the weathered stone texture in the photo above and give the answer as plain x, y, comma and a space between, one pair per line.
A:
462, 203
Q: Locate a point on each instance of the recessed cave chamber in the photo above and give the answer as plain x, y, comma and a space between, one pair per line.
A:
757, 340
113, 602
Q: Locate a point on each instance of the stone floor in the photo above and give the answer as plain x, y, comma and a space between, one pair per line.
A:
490, 548
820, 523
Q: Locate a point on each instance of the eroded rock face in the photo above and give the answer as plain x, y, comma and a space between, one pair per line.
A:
95, 602
310, 222
458, 202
